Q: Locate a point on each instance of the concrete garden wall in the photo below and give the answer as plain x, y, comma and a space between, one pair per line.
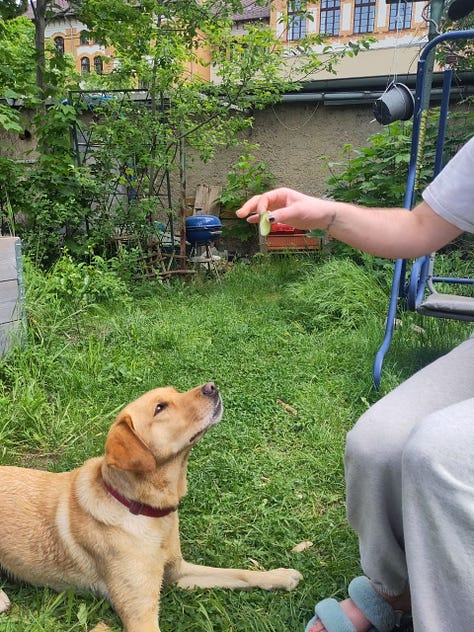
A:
294, 139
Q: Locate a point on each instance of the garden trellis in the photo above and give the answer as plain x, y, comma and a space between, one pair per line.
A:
127, 178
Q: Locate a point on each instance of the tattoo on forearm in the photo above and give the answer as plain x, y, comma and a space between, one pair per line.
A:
331, 222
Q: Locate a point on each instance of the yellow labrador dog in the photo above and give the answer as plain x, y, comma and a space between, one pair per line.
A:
111, 525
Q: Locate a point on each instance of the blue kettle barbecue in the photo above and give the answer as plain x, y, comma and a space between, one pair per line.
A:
201, 232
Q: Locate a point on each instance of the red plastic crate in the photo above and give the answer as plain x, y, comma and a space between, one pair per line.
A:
283, 229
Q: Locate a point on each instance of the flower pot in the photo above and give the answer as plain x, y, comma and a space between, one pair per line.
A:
395, 104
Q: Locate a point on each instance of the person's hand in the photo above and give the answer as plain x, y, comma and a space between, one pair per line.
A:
288, 207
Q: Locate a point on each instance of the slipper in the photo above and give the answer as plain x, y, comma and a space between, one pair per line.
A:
332, 616
372, 605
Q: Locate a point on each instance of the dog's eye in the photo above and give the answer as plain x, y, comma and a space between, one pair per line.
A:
159, 408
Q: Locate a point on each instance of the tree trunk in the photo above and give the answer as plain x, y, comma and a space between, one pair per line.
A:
39, 11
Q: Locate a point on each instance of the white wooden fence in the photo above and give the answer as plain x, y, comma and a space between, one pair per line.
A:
11, 292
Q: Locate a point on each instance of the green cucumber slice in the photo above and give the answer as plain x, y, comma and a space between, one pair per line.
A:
264, 225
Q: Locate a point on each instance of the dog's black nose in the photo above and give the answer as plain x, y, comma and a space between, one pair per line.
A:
209, 389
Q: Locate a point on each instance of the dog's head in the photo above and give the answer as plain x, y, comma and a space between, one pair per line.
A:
159, 425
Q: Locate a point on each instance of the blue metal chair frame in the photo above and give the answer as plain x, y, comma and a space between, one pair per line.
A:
403, 293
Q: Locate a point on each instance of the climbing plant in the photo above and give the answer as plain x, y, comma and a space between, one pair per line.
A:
375, 175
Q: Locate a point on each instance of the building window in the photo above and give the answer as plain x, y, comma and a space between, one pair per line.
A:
296, 20
98, 65
84, 38
59, 43
400, 16
330, 17
85, 66
364, 14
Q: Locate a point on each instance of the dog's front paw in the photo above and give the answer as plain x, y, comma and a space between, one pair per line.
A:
283, 579
4, 601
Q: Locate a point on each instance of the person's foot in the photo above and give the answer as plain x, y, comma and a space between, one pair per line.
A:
355, 615
360, 623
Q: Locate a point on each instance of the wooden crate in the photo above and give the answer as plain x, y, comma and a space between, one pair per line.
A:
11, 291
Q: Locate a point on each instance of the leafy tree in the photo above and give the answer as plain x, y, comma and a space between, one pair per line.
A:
39, 192
459, 53
16, 68
50, 63
12, 8
30, 69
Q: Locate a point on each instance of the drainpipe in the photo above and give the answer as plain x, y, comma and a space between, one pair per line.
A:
436, 10
330, 96
358, 98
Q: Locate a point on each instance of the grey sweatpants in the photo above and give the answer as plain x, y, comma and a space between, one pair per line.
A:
410, 492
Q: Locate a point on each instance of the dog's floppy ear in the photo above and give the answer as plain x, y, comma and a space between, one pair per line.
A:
125, 450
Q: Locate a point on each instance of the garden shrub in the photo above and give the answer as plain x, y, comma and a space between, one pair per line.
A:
78, 285
87, 283
376, 175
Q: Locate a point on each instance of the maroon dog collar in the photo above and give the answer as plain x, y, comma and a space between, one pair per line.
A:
137, 508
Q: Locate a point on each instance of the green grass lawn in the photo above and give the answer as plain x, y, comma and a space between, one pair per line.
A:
264, 479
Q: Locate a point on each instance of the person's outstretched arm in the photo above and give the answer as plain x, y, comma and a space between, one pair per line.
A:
446, 211
393, 233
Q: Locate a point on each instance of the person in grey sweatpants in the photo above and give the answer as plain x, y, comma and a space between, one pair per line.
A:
409, 460
410, 492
